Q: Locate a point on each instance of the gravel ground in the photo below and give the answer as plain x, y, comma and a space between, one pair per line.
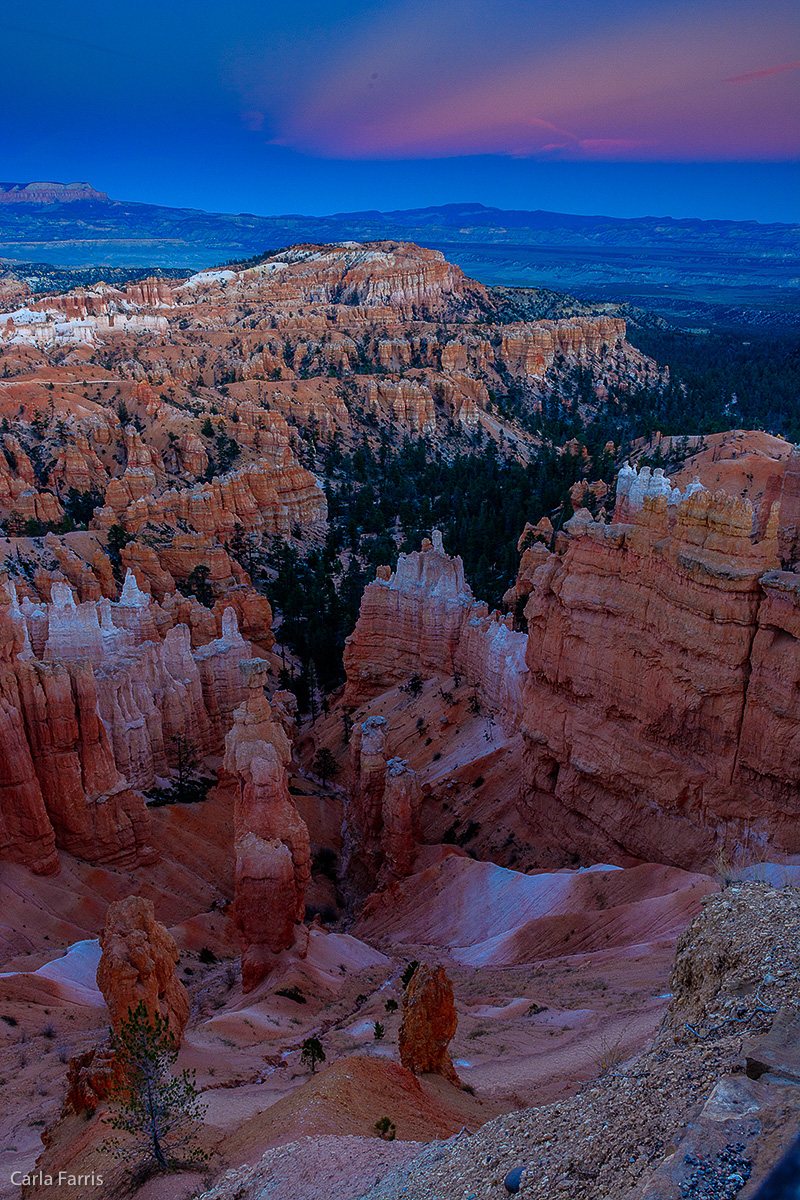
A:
324, 1168
738, 959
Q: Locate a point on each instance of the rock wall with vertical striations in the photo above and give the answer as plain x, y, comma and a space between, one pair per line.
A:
93, 698
272, 848
661, 710
659, 695
423, 619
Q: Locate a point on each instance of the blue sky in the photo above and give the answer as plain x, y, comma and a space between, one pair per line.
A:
641, 107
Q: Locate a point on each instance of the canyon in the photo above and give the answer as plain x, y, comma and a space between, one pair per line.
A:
464, 864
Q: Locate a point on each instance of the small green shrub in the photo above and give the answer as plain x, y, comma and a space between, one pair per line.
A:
386, 1129
292, 993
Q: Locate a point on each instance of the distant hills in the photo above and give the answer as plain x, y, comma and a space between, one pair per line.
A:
46, 192
658, 261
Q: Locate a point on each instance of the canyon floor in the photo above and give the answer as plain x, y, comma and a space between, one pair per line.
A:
568, 966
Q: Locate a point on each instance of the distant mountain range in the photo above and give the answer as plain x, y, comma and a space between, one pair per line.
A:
657, 260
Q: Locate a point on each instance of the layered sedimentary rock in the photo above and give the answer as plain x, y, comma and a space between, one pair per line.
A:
400, 276
269, 497
429, 1023
26, 831
137, 966
423, 619
94, 698
658, 693
660, 710
533, 348
633, 487
44, 192
273, 856
381, 812
59, 777
93, 811
410, 402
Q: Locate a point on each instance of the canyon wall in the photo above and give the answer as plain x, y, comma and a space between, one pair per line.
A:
423, 619
660, 711
94, 698
658, 696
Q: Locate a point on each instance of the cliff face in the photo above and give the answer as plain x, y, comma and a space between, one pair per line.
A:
658, 695
423, 619
92, 699
272, 848
660, 718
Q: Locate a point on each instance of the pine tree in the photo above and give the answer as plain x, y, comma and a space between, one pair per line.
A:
157, 1111
313, 1053
325, 764
187, 759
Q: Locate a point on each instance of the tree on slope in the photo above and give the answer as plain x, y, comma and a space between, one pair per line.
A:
157, 1112
325, 764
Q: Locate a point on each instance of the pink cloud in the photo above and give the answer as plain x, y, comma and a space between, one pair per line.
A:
611, 147
767, 71
645, 87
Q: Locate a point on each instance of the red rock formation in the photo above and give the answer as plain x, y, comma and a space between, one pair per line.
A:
423, 619
364, 804
273, 856
137, 966
409, 402
269, 497
429, 1024
95, 719
400, 276
402, 801
91, 1077
59, 769
26, 833
150, 292
135, 394
409, 623
381, 829
532, 348
658, 698
653, 682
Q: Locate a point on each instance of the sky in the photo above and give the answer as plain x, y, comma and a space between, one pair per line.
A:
627, 108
